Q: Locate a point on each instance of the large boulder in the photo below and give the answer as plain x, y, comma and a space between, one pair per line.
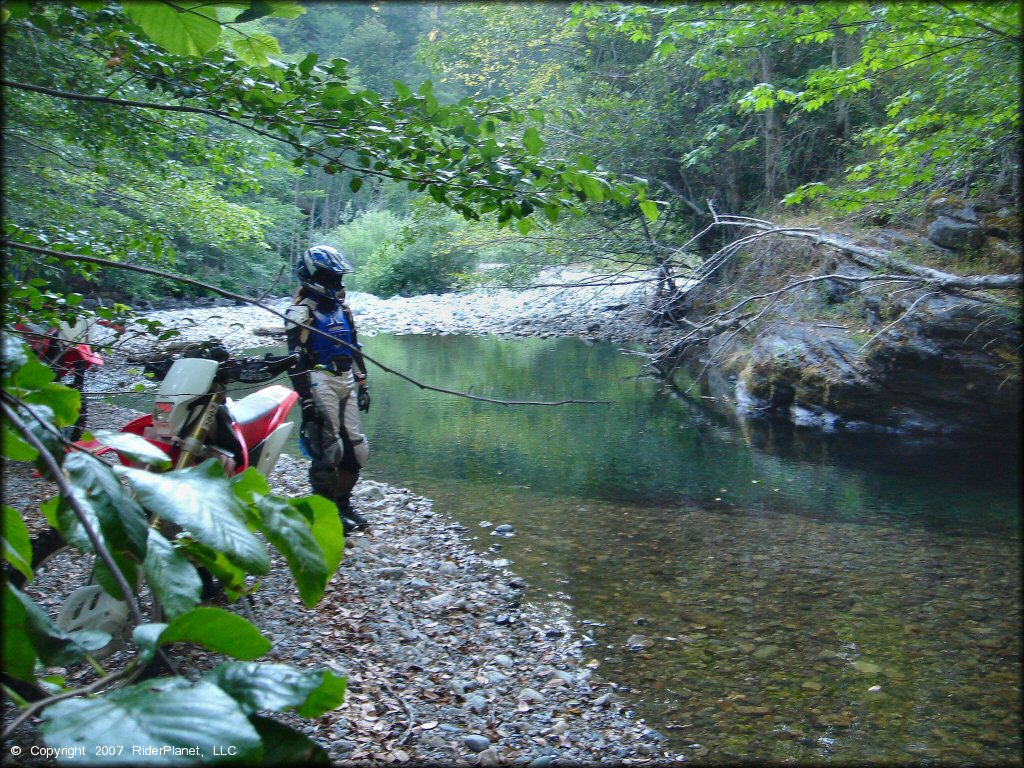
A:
956, 234
949, 367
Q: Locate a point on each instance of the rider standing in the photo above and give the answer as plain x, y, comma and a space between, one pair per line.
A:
330, 379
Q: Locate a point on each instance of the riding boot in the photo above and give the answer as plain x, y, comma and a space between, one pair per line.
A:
351, 520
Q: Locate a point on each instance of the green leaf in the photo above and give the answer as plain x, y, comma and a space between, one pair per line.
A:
278, 687
201, 500
229, 575
401, 89
118, 518
250, 485
217, 630
134, 446
285, 746
591, 187
14, 447
54, 646
171, 576
147, 638
532, 141
307, 64
189, 29
17, 546
650, 209
290, 531
145, 717
286, 9
256, 48
356, 183
18, 654
327, 529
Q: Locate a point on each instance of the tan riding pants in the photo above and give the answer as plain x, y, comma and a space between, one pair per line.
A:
335, 398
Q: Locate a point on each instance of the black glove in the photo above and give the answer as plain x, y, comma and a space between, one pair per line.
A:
363, 398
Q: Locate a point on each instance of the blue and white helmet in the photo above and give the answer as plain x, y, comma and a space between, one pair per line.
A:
320, 270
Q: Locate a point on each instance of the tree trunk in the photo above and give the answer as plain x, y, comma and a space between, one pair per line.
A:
772, 137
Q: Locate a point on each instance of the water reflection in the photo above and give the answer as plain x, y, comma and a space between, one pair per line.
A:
765, 592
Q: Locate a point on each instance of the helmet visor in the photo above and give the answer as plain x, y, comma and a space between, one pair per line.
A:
329, 280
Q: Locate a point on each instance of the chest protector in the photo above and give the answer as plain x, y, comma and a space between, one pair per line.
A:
334, 323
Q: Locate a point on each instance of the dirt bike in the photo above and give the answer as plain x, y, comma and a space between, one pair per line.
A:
65, 348
193, 419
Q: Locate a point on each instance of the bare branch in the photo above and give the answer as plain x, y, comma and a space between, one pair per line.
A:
256, 303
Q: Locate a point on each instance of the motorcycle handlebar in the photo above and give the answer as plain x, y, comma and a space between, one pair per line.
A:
254, 370
251, 370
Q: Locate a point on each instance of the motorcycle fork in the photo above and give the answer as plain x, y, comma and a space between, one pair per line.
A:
193, 443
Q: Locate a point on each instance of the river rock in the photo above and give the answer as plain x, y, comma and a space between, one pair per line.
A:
955, 234
476, 743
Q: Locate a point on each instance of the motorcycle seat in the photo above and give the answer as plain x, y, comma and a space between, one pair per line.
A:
259, 414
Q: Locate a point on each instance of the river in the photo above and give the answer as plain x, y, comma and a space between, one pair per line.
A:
761, 592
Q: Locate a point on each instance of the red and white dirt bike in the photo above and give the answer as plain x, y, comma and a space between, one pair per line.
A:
193, 419
66, 349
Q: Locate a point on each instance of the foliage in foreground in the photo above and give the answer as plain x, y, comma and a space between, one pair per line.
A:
112, 513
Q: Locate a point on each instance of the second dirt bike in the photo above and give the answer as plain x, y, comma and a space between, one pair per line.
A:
66, 349
193, 419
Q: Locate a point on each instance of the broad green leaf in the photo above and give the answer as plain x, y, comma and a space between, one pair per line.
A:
329, 695
128, 566
256, 48
65, 403
18, 654
171, 576
150, 715
230, 577
285, 746
278, 687
217, 630
591, 187
121, 521
134, 446
286, 9
189, 29
291, 532
250, 485
327, 528
532, 141
17, 546
201, 500
307, 64
54, 646
650, 209
147, 638
14, 447
49, 509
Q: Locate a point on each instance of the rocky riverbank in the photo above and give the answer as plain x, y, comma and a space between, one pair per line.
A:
445, 665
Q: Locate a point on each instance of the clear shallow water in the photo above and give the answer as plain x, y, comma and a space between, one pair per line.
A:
765, 593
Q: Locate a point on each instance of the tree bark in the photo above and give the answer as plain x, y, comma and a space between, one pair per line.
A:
772, 136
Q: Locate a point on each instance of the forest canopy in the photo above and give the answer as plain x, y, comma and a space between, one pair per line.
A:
218, 140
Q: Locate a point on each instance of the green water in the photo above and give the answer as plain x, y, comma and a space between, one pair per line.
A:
798, 597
